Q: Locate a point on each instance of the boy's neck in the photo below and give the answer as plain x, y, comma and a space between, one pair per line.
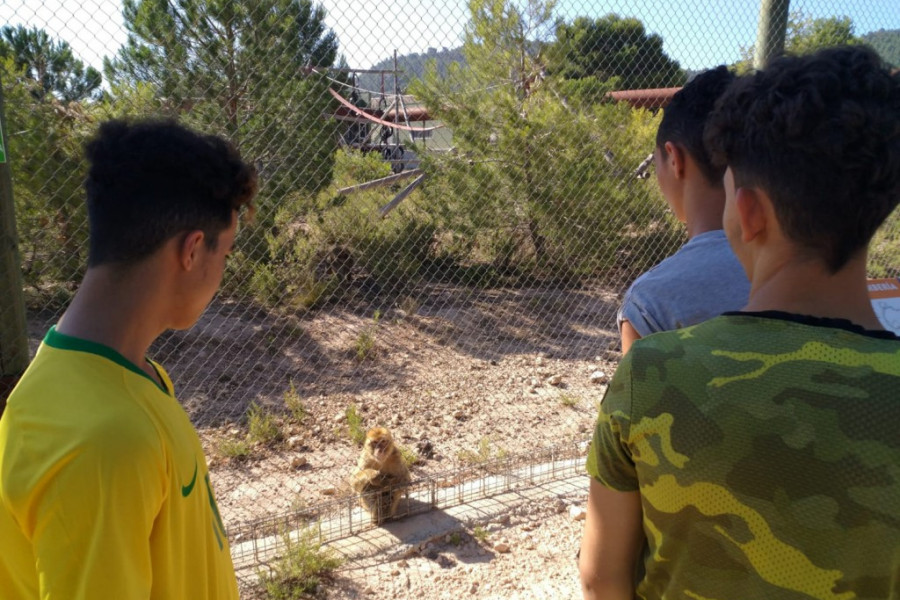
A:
703, 208
119, 309
805, 287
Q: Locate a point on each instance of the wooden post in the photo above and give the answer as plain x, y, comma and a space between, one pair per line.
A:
13, 332
770, 34
397, 105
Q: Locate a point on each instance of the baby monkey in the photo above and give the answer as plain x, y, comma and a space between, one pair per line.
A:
380, 475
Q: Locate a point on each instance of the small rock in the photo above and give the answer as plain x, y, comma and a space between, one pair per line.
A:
555, 380
329, 491
598, 377
395, 572
539, 361
459, 415
501, 547
535, 382
425, 448
339, 417
298, 462
577, 513
294, 441
474, 589
446, 562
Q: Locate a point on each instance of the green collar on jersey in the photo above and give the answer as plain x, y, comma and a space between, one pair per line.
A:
61, 341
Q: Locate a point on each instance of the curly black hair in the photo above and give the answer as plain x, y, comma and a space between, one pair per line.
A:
685, 116
820, 134
151, 180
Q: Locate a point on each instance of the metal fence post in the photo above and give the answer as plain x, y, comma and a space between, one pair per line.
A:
771, 31
13, 333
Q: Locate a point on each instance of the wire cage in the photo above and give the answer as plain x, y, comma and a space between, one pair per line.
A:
454, 197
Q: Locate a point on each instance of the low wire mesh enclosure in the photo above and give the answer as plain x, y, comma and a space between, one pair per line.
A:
453, 198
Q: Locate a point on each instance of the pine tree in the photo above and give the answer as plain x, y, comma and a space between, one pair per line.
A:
50, 63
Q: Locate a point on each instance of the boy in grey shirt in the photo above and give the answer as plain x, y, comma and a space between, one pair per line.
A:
703, 279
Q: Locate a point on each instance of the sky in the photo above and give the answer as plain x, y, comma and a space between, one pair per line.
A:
697, 33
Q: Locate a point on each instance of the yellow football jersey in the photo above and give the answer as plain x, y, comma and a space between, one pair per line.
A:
104, 487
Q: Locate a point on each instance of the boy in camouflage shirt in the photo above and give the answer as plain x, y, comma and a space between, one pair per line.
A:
757, 455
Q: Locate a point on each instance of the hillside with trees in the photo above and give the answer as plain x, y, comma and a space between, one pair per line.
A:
887, 43
410, 67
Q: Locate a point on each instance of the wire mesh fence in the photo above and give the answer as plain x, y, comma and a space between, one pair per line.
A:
453, 198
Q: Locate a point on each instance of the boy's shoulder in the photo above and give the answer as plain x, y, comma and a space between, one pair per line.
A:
770, 333
689, 261
701, 280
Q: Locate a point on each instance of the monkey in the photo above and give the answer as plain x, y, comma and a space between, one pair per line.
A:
380, 475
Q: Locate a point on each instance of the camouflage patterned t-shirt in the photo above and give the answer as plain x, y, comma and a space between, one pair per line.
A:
766, 448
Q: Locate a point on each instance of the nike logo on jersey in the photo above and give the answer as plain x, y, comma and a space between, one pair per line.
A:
187, 489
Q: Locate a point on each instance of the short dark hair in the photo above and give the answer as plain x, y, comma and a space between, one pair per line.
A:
685, 116
820, 134
151, 180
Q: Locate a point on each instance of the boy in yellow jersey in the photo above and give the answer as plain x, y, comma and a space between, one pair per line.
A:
756, 455
104, 488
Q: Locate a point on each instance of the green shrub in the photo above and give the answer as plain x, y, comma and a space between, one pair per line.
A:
237, 449
294, 403
365, 342
480, 534
483, 454
355, 428
300, 569
568, 400
409, 455
262, 426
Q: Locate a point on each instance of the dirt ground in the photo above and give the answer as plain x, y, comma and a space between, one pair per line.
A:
527, 553
457, 375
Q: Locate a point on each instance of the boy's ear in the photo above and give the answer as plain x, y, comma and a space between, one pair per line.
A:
187, 250
751, 212
675, 158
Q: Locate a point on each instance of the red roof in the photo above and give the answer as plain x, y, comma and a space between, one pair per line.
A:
652, 98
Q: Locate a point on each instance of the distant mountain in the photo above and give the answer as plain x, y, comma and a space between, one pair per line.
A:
885, 42
410, 67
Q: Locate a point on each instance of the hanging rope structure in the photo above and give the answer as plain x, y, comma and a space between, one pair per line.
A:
365, 115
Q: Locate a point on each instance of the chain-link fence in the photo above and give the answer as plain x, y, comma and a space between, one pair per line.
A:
453, 198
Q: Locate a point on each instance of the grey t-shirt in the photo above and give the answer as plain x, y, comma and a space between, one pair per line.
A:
700, 281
